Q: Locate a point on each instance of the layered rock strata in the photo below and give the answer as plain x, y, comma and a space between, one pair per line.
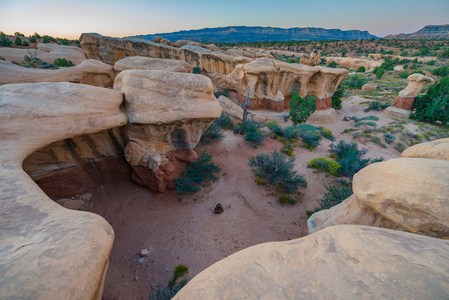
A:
91, 72
339, 262
400, 109
47, 251
408, 194
167, 112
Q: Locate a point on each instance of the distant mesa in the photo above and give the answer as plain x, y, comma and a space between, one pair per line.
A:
237, 34
429, 32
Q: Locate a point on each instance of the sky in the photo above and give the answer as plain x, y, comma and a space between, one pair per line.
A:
120, 18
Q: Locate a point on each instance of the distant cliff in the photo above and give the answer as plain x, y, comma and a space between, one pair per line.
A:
431, 32
236, 34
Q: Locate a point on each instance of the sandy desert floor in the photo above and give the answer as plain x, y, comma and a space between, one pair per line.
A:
186, 230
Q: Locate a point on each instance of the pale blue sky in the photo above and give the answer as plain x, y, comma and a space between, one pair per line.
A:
131, 17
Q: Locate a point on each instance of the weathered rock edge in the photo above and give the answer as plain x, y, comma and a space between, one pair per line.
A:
338, 262
47, 251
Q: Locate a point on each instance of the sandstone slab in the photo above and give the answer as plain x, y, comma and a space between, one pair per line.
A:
46, 53
438, 149
231, 108
339, 262
148, 63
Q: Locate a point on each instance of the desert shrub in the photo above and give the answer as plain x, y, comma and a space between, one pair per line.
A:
178, 272
17, 41
400, 147
32, 39
373, 118
361, 69
196, 70
332, 64
277, 170
334, 195
275, 128
2, 58
326, 133
45, 40
404, 74
197, 174
25, 43
286, 199
414, 67
219, 93
213, 133
362, 123
434, 105
64, 42
225, 121
389, 138
404, 53
354, 81
431, 63
291, 133
63, 62
337, 97
376, 105
4, 41
255, 136
444, 54
387, 65
405, 66
350, 158
301, 109
168, 292
379, 73
236, 128
441, 71
415, 61
311, 139
325, 164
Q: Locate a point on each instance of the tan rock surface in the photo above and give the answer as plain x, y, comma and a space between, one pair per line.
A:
354, 63
161, 40
411, 192
369, 87
231, 108
438, 149
339, 262
91, 72
48, 53
47, 251
148, 63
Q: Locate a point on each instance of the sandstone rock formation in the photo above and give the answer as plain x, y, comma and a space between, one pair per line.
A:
370, 87
231, 108
91, 72
400, 109
161, 40
110, 50
354, 63
311, 60
170, 112
339, 262
46, 52
147, 63
47, 251
406, 194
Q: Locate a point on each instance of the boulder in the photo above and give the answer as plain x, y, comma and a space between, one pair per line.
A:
47, 251
161, 40
438, 149
91, 72
45, 52
148, 63
339, 262
232, 109
370, 87
167, 111
180, 43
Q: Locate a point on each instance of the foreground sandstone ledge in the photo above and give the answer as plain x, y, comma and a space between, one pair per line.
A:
47, 251
339, 262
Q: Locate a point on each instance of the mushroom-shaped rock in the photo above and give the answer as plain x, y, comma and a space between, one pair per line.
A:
339, 262
168, 112
148, 63
438, 149
47, 251
91, 72
400, 109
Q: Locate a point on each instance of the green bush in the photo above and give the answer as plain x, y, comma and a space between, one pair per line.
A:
387, 65
255, 136
415, 61
404, 74
444, 54
275, 128
2, 58
286, 199
337, 97
332, 64
32, 39
350, 158
196, 70
219, 93
291, 133
419, 72
301, 109
63, 62
441, 71
45, 40
18, 34
361, 69
225, 121
4, 41
326, 133
168, 292
376, 105
405, 66
18, 41
197, 174
379, 73
431, 63
325, 164
178, 272
373, 118
354, 81
404, 53
277, 170
434, 105
213, 133
25, 44
334, 195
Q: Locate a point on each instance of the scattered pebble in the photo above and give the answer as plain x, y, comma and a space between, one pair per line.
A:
218, 209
